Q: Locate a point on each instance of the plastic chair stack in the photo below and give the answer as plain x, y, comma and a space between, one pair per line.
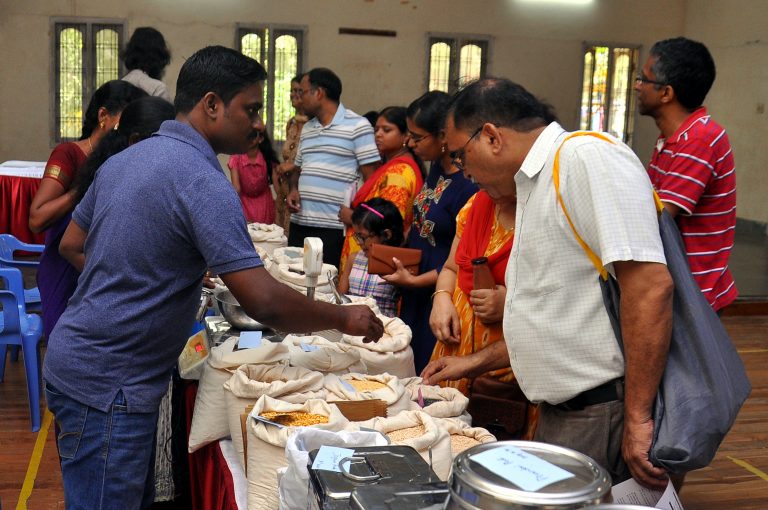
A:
18, 328
8, 246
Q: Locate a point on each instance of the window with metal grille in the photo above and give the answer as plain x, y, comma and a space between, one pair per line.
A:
456, 61
86, 55
607, 91
280, 51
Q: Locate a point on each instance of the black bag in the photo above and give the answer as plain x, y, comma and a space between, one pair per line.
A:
704, 382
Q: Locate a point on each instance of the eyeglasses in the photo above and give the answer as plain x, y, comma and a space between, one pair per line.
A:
361, 239
457, 157
642, 79
297, 92
417, 138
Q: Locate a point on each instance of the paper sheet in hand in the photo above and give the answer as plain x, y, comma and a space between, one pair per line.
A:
328, 457
632, 493
527, 471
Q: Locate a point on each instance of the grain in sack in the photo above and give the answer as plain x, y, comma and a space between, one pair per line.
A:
419, 431
209, 422
439, 402
266, 445
250, 382
384, 387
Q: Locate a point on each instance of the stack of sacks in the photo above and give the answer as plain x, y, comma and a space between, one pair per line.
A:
209, 421
368, 387
322, 355
293, 484
267, 237
266, 445
288, 267
251, 382
419, 431
439, 402
463, 436
392, 354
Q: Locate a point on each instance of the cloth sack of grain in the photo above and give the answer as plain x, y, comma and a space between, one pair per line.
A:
384, 387
441, 402
288, 267
293, 485
209, 421
419, 431
267, 237
392, 353
266, 445
250, 382
322, 355
463, 436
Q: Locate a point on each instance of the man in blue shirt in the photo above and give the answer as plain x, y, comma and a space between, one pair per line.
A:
157, 215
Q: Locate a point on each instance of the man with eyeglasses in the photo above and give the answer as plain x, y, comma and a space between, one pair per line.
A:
558, 335
692, 166
336, 148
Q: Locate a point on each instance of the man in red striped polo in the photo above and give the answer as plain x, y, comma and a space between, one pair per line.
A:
692, 167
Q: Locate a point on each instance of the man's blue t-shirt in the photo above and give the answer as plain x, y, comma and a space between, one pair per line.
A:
157, 215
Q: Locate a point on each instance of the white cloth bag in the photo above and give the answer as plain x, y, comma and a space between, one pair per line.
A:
317, 353
393, 393
434, 438
209, 421
266, 446
267, 237
392, 354
250, 382
451, 403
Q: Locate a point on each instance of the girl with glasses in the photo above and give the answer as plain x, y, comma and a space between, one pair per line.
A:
376, 221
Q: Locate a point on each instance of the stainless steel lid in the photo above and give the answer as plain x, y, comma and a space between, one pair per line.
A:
479, 487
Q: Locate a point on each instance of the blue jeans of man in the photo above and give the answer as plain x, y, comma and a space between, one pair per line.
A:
107, 459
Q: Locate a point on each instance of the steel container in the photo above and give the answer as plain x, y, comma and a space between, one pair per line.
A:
474, 487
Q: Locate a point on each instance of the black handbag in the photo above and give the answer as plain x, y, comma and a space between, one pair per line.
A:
704, 382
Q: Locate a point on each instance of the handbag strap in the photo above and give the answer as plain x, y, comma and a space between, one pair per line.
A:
596, 261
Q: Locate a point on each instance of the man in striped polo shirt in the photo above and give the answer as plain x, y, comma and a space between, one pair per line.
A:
336, 148
692, 166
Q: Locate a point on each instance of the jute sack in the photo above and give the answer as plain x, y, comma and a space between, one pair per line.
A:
445, 402
458, 429
209, 421
424, 434
392, 354
322, 355
250, 382
266, 446
267, 237
393, 393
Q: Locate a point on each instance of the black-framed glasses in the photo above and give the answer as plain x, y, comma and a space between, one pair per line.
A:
417, 138
642, 79
361, 239
457, 157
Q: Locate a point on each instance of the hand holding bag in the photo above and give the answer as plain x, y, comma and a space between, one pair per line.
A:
704, 382
380, 259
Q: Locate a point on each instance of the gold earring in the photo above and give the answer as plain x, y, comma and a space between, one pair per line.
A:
443, 149
101, 125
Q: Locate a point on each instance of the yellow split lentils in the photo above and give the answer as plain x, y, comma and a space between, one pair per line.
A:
294, 418
365, 385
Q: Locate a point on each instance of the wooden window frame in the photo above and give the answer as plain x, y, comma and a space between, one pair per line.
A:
456, 43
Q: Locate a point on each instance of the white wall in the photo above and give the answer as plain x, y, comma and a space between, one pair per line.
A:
736, 32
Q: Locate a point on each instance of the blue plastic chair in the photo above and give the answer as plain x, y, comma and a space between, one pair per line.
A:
8, 245
18, 328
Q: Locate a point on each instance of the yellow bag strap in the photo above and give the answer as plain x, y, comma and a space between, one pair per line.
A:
556, 177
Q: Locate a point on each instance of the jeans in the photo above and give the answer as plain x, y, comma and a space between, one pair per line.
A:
107, 459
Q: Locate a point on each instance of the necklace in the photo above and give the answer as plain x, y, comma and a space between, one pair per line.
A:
90, 145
